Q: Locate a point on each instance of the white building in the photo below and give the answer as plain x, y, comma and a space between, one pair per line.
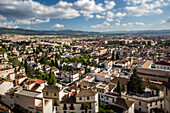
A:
77, 103
162, 65
71, 77
32, 101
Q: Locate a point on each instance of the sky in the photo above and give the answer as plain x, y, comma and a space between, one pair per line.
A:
85, 15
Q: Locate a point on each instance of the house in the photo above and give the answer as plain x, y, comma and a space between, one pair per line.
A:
89, 78
30, 84
147, 64
108, 63
8, 98
166, 97
5, 86
162, 65
54, 93
154, 72
32, 101
86, 85
94, 70
76, 102
118, 104
153, 97
71, 77
100, 77
7, 73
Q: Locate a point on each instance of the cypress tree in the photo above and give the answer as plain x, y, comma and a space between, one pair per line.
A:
117, 56
113, 56
51, 78
135, 83
26, 66
118, 89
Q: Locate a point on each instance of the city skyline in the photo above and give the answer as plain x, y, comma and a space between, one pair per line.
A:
86, 15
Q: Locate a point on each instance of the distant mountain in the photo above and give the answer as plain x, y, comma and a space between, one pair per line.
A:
143, 31
76, 32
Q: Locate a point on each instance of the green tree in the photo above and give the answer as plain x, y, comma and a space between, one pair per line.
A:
30, 71
135, 83
26, 66
56, 63
117, 56
86, 107
113, 56
51, 78
118, 89
2, 50
52, 63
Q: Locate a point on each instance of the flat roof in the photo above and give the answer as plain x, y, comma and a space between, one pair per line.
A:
28, 93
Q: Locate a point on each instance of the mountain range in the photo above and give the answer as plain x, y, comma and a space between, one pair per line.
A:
77, 32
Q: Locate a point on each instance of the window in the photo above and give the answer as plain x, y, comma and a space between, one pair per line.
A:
140, 109
151, 104
80, 98
82, 112
156, 103
87, 98
166, 91
89, 111
113, 100
55, 94
17, 96
65, 107
140, 103
65, 111
107, 98
161, 106
72, 107
101, 96
47, 93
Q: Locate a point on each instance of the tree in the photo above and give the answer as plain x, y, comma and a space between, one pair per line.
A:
26, 66
30, 71
135, 83
113, 56
86, 106
117, 56
56, 63
52, 63
2, 50
51, 78
118, 89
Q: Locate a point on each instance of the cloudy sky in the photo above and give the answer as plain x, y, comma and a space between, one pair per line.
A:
87, 15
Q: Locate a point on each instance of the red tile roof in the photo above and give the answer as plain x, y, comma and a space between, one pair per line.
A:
38, 81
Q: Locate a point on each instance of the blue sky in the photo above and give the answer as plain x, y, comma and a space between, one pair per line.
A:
87, 15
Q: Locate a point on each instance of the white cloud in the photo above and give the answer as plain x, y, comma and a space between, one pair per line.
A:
117, 24
119, 14
133, 24
110, 14
58, 26
88, 7
165, 21
109, 19
109, 4
31, 9
145, 9
103, 25
28, 27
134, 2
2, 18
99, 16
32, 21
162, 21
